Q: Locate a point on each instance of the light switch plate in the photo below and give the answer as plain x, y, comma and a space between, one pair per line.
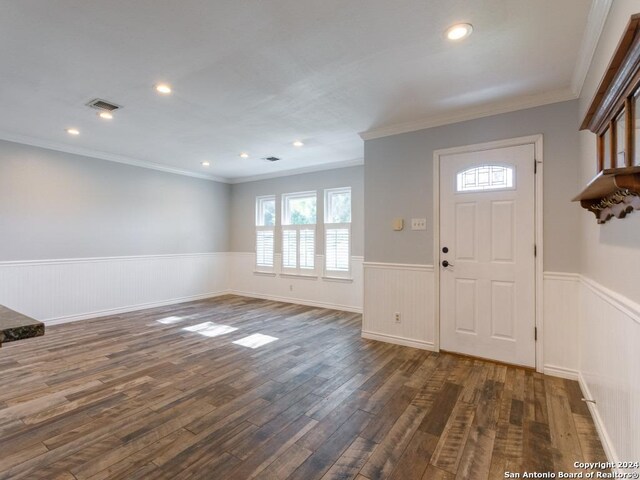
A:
418, 224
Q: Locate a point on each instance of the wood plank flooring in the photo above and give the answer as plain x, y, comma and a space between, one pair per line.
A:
142, 396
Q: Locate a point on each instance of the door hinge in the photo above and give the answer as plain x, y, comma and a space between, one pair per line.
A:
535, 333
535, 250
535, 166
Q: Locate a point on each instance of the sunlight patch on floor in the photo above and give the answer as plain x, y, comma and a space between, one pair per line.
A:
256, 340
169, 320
210, 329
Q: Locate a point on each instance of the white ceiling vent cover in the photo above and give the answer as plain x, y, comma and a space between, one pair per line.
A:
103, 105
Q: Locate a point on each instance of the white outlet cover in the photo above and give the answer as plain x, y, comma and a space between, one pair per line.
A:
418, 224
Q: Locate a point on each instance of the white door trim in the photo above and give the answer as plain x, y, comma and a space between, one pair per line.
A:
536, 141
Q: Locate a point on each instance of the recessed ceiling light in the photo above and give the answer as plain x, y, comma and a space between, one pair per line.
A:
459, 31
298, 143
106, 115
205, 164
73, 131
244, 155
163, 88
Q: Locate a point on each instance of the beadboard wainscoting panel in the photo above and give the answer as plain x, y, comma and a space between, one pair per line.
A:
560, 325
407, 290
313, 290
609, 373
57, 291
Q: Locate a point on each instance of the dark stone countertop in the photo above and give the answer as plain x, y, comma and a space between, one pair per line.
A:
16, 326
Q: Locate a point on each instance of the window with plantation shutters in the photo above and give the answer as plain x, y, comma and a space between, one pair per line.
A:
337, 230
264, 247
337, 248
307, 248
289, 248
299, 233
265, 232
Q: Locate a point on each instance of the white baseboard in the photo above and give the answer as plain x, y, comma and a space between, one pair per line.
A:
57, 291
62, 290
607, 444
175, 301
131, 308
314, 290
561, 372
407, 342
298, 301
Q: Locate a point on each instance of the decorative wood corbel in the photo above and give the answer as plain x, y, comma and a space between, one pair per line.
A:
617, 205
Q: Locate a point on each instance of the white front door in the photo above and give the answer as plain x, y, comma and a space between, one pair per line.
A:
487, 262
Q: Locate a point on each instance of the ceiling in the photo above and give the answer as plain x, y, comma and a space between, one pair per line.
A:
256, 75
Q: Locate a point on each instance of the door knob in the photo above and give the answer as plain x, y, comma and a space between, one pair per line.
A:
446, 264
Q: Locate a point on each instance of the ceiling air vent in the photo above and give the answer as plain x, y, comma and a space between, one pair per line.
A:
271, 159
103, 105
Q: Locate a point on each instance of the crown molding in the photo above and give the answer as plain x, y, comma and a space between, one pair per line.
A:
298, 171
87, 152
496, 108
595, 24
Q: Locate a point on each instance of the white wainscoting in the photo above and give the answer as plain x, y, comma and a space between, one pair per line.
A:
57, 291
407, 290
590, 334
560, 346
316, 291
610, 367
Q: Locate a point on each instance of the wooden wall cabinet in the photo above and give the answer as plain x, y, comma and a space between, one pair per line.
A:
614, 117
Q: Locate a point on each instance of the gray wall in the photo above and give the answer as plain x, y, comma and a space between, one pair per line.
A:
399, 182
58, 205
243, 200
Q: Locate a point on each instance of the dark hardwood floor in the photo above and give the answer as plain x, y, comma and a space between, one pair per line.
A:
131, 397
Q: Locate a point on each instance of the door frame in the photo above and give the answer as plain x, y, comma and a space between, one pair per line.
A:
536, 141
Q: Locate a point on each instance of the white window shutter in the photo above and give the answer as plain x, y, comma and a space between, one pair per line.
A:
289, 248
264, 248
337, 249
307, 248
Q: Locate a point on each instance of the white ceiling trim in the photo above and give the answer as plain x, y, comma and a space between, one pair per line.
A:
297, 171
473, 113
595, 24
87, 152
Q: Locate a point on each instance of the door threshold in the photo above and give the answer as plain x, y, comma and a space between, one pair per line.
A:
490, 360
